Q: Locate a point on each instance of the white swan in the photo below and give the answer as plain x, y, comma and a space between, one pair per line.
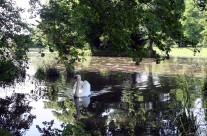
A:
81, 88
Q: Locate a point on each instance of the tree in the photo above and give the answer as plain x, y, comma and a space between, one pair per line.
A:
58, 28
122, 27
14, 39
192, 24
161, 21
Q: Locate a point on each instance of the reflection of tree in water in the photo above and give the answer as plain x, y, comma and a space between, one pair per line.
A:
47, 130
130, 110
140, 112
123, 113
15, 114
133, 117
63, 110
52, 92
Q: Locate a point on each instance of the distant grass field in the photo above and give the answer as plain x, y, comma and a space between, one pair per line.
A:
187, 53
175, 52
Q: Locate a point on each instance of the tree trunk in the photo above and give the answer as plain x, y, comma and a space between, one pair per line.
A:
150, 49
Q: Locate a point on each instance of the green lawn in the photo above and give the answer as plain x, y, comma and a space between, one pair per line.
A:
187, 52
175, 52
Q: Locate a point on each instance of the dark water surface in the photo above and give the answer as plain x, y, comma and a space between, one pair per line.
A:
126, 99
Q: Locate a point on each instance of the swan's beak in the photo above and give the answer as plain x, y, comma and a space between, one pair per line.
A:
75, 78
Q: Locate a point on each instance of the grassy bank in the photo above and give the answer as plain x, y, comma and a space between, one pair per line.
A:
187, 53
175, 52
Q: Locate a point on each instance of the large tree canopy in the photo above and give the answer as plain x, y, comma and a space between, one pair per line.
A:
124, 27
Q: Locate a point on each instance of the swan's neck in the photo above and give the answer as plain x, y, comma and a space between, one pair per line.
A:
77, 88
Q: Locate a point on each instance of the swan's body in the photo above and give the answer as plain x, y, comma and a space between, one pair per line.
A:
81, 88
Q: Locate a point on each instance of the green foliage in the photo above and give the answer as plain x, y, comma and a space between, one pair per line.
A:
58, 30
76, 129
65, 115
9, 72
14, 42
203, 22
186, 120
14, 34
192, 22
52, 92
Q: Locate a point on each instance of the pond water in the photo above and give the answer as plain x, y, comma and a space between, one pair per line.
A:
126, 99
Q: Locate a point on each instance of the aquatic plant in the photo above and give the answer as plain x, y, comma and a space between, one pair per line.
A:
40, 73
186, 120
51, 72
186, 123
47, 72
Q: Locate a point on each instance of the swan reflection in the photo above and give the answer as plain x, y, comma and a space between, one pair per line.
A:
81, 101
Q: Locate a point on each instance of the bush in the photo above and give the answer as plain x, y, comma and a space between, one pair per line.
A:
40, 73
52, 72
48, 72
